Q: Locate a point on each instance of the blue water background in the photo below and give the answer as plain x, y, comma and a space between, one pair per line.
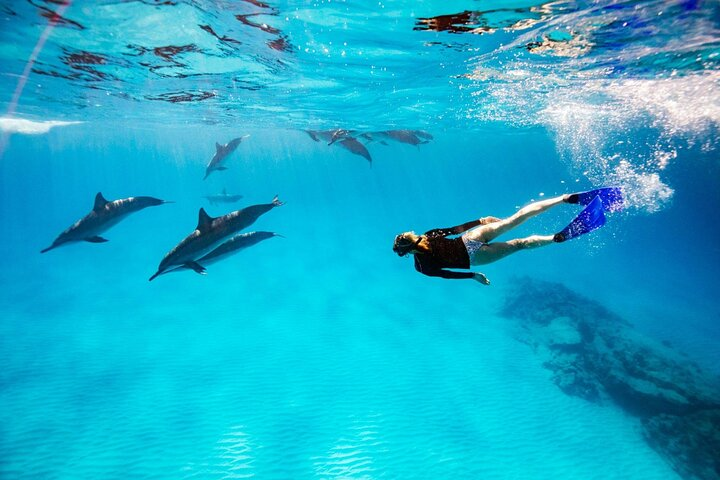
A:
322, 354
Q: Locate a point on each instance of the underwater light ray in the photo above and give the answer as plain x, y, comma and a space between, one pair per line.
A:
52, 22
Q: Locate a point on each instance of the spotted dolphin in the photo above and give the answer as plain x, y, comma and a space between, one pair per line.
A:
318, 135
239, 242
208, 234
343, 138
354, 146
223, 197
222, 152
104, 215
410, 137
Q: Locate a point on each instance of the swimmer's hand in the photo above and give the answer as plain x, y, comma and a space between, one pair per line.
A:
480, 277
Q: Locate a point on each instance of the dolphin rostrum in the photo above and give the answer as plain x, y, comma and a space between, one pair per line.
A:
223, 197
235, 244
221, 153
104, 215
209, 232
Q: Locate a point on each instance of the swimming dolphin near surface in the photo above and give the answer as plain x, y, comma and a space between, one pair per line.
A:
343, 138
104, 215
354, 146
411, 137
318, 135
239, 242
208, 233
221, 153
340, 134
223, 197
330, 136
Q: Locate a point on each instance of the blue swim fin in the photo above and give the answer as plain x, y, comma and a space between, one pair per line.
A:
611, 198
590, 218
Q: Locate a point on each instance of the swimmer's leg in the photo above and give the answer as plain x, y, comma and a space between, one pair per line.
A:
493, 252
488, 232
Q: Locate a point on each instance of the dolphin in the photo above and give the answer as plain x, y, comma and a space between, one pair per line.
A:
232, 246
354, 146
330, 136
423, 134
221, 153
340, 134
208, 233
343, 138
318, 135
411, 137
223, 197
104, 215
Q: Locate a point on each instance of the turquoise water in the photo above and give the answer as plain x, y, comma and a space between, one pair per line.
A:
321, 354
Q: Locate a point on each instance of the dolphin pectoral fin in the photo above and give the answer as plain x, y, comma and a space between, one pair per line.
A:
221, 168
96, 239
196, 267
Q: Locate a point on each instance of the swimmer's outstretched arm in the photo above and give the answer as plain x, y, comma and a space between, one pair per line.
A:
458, 229
441, 272
451, 274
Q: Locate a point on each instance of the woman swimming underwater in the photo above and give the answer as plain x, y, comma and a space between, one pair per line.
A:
434, 253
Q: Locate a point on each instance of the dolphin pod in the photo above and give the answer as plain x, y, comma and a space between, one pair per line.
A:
353, 141
210, 231
222, 152
104, 215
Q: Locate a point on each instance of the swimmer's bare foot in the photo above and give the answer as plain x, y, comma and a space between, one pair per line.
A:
480, 277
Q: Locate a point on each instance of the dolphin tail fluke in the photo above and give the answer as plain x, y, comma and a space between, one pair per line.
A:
276, 202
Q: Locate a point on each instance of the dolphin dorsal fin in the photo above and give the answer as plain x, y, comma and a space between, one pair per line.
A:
204, 220
218, 147
100, 202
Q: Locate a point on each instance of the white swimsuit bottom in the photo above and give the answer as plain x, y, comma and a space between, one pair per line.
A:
472, 246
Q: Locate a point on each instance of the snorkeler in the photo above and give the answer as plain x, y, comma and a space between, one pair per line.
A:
435, 253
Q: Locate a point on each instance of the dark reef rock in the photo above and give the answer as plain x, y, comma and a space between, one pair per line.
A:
596, 355
691, 439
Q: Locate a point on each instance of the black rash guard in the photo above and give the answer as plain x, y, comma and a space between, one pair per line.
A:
445, 252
